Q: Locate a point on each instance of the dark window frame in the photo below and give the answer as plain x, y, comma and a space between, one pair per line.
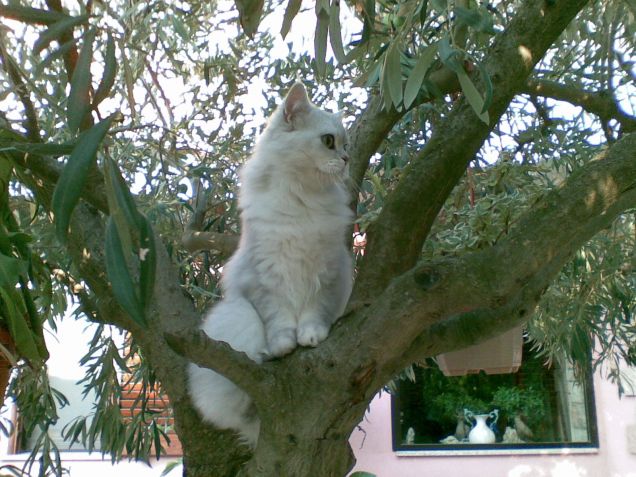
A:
591, 445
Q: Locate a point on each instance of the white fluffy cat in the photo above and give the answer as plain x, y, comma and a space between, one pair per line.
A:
291, 276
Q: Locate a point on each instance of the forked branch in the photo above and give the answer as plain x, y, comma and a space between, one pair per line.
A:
395, 239
436, 307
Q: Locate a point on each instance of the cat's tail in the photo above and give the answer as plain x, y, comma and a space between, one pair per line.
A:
218, 399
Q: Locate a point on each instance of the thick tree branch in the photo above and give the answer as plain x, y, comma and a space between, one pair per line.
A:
472, 327
437, 307
599, 103
219, 356
395, 239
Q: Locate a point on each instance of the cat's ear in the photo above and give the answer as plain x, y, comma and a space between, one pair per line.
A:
296, 103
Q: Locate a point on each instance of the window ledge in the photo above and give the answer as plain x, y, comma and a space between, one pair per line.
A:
495, 451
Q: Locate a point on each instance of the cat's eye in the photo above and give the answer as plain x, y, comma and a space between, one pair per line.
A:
328, 140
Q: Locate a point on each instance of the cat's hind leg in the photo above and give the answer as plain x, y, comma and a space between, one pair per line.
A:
280, 324
218, 399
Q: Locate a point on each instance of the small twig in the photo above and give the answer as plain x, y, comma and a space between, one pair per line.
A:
155, 104
9, 356
70, 57
155, 80
223, 244
31, 122
194, 240
600, 103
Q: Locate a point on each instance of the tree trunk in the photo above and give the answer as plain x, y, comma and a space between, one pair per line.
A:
300, 444
292, 456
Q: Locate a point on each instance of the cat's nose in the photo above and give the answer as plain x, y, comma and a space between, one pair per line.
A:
345, 157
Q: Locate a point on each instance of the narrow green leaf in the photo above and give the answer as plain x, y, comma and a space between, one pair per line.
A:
180, 28
450, 56
293, 7
54, 150
54, 55
69, 185
78, 105
320, 38
56, 30
110, 72
368, 18
479, 19
335, 34
250, 12
416, 78
11, 269
34, 320
119, 276
393, 75
157, 439
31, 15
121, 207
369, 77
128, 79
362, 474
170, 466
122, 199
487, 84
473, 96
6, 171
147, 261
17, 325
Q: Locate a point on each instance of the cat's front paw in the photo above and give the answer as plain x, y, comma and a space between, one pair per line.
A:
262, 356
281, 342
310, 333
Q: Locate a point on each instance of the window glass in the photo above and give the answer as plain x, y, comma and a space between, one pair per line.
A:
540, 406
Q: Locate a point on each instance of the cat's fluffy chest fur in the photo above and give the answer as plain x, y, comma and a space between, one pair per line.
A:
292, 240
291, 276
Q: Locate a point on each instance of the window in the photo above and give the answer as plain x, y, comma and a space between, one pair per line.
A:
538, 407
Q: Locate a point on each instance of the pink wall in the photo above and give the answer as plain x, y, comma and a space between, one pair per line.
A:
612, 459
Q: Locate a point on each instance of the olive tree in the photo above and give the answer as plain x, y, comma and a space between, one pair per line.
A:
493, 169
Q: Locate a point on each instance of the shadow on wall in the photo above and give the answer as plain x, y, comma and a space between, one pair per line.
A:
561, 468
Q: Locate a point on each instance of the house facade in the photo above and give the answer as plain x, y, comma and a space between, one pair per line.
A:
599, 429
612, 455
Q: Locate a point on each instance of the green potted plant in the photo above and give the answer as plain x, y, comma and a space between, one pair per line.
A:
450, 406
524, 407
